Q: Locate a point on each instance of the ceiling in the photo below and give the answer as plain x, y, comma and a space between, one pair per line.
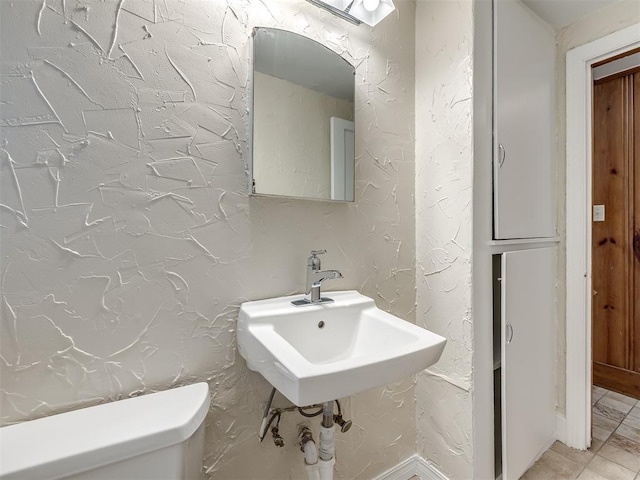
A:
561, 13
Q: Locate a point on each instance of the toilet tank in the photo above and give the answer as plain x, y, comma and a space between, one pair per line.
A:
155, 436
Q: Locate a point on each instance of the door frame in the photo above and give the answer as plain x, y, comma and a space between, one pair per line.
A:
578, 226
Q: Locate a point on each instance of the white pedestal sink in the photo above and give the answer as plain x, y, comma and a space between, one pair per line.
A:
319, 353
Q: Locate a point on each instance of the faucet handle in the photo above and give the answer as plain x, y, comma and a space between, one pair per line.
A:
314, 261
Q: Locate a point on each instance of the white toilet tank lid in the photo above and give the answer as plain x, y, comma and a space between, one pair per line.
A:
73, 442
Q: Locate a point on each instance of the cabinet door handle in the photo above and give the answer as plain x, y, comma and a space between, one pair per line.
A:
502, 154
509, 332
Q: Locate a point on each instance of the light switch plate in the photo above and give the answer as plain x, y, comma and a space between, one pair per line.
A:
598, 213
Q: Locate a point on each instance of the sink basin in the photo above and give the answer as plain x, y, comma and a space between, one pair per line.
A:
319, 353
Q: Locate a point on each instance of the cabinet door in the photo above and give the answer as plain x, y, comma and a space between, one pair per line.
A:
524, 113
528, 357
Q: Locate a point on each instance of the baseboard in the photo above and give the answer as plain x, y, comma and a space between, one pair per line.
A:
412, 466
561, 427
427, 470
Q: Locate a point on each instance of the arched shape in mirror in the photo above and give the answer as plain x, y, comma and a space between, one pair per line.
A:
303, 135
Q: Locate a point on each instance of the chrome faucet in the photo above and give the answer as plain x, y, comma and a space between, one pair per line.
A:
315, 277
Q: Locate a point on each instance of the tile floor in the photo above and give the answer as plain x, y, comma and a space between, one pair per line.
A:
615, 448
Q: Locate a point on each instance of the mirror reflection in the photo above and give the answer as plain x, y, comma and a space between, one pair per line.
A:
303, 118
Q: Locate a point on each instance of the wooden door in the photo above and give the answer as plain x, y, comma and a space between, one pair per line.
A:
635, 289
616, 238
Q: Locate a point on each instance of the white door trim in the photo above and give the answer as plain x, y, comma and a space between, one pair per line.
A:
578, 226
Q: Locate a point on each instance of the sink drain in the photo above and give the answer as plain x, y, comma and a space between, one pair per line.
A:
320, 324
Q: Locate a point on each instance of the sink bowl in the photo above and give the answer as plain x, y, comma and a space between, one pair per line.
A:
319, 353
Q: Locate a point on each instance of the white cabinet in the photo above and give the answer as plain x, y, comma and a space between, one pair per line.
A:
524, 123
524, 217
527, 380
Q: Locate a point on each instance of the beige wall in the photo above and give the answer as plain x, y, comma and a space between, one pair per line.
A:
444, 167
128, 236
292, 137
616, 17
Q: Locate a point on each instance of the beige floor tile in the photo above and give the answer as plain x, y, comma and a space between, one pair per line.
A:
603, 427
632, 421
591, 475
635, 412
597, 393
610, 412
610, 470
605, 423
613, 403
552, 465
629, 432
600, 434
581, 457
622, 451
622, 398
596, 445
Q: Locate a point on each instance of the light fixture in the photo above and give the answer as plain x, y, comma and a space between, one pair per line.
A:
356, 11
370, 5
371, 11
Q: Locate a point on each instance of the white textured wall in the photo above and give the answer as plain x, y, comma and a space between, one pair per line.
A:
444, 163
292, 137
129, 240
616, 17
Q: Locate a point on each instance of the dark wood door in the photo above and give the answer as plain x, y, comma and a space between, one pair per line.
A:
635, 300
616, 239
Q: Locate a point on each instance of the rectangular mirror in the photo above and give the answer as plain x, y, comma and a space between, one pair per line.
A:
303, 137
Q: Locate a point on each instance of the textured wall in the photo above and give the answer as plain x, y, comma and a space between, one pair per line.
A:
444, 163
292, 137
616, 17
128, 237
